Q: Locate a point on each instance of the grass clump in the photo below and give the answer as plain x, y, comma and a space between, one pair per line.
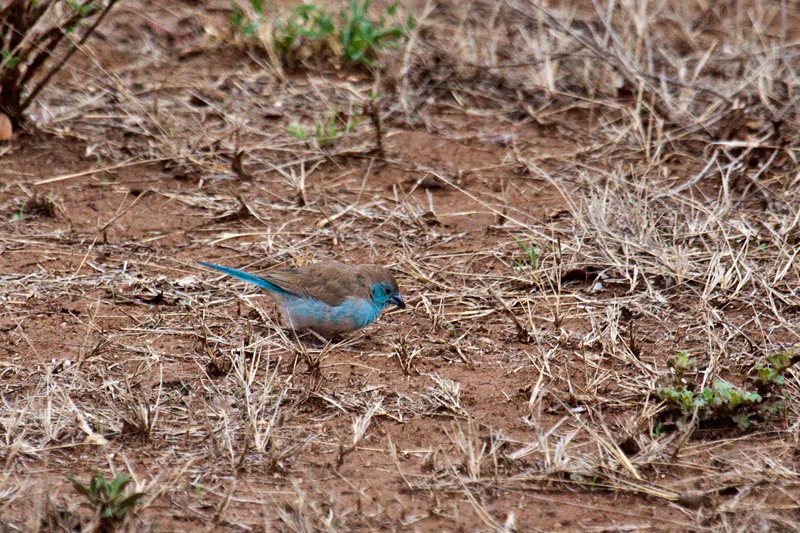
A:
109, 500
306, 30
311, 31
39, 36
723, 404
326, 131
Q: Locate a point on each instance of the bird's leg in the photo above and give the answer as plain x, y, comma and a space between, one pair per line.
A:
322, 339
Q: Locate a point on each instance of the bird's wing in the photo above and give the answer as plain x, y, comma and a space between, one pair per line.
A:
329, 282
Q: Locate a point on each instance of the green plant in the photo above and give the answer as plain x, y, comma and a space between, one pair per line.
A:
21, 212
240, 24
731, 398
771, 374
680, 364
531, 255
721, 401
309, 30
37, 37
296, 130
657, 430
109, 501
327, 130
724, 403
682, 398
362, 39
332, 127
305, 29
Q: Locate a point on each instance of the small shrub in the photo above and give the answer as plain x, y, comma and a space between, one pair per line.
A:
36, 37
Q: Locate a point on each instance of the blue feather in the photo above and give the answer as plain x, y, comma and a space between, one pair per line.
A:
350, 315
244, 276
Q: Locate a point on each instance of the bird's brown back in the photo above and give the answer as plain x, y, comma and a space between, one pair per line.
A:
330, 281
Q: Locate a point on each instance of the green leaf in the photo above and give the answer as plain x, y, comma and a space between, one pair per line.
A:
121, 508
657, 430
297, 131
237, 17
8, 60
250, 29
742, 420
708, 395
80, 487
119, 484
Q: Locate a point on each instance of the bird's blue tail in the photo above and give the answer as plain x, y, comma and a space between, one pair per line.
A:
244, 276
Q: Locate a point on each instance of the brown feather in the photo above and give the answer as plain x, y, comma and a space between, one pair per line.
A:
330, 281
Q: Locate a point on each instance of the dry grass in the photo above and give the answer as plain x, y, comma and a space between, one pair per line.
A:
648, 151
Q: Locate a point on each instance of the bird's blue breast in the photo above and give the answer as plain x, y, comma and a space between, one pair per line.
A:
350, 315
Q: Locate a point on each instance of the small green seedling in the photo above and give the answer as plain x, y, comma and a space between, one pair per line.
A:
531, 255
108, 500
327, 130
682, 398
21, 213
771, 374
297, 131
657, 430
680, 364
306, 25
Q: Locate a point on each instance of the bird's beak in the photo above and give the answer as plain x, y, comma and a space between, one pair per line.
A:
398, 301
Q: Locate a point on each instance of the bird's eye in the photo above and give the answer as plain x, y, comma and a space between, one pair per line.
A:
388, 290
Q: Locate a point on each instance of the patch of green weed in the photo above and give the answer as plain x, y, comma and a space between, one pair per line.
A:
309, 30
109, 500
327, 130
362, 39
724, 403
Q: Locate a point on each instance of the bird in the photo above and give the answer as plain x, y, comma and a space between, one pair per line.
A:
329, 298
